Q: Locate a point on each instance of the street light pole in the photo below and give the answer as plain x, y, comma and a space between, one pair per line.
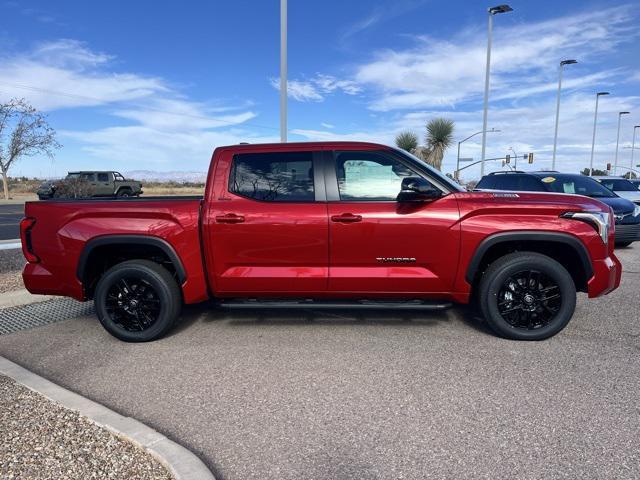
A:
615, 161
555, 136
492, 11
633, 144
283, 71
461, 142
593, 141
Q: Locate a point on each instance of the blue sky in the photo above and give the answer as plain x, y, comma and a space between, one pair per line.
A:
157, 85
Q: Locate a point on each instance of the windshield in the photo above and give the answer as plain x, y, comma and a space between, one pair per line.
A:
448, 183
576, 184
619, 185
71, 176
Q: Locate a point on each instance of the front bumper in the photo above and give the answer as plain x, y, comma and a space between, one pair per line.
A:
606, 277
627, 232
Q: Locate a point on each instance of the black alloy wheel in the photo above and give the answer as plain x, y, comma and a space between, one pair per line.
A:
137, 300
527, 296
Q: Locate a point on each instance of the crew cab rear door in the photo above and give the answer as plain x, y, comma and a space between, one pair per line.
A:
382, 247
265, 228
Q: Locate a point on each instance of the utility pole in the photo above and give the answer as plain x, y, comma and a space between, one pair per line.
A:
283, 71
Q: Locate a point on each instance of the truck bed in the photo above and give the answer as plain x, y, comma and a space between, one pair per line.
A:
63, 229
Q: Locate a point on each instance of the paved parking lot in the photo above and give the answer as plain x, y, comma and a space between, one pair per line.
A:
295, 395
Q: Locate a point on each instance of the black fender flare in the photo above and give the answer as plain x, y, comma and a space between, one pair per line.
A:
130, 240
529, 236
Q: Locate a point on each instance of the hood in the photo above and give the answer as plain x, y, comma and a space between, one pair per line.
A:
618, 204
534, 200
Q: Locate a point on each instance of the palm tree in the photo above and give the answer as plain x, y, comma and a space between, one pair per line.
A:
407, 140
439, 137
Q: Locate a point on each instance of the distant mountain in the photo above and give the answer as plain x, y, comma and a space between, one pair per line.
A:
153, 176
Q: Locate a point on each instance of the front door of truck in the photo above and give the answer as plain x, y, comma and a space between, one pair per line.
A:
382, 247
265, 227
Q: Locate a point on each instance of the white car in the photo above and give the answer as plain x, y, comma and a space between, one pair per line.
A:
621, 187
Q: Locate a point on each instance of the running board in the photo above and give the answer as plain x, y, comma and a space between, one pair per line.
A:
335, 304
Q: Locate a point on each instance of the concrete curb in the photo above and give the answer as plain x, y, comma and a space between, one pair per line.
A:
17, 298
12, 244
183, 464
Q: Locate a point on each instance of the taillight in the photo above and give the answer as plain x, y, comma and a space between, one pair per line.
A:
25, 237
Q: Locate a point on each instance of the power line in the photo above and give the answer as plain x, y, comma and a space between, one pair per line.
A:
152, 109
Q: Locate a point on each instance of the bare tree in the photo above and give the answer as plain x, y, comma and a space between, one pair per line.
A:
30, 135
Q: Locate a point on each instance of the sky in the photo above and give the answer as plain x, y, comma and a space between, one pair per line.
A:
153, 85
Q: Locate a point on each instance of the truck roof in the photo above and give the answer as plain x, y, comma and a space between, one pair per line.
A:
315, 144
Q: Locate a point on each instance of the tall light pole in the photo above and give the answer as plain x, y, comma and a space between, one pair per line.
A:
283, 70
492, 11
593, 141
615, 160
461, 142
555, 135
633, 144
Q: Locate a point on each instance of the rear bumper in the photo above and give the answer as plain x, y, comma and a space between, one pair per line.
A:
606, 277
38, 280
627, 233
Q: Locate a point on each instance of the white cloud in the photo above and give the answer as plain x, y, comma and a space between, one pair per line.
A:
438, 73
316, 88
165, 127
327, 125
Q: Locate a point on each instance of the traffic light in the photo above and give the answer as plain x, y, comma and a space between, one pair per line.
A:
531, 158
608, 167
507, 159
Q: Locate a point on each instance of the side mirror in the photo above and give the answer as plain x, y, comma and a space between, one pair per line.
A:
417, 189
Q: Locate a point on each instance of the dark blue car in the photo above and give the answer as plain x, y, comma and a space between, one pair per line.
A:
627, 214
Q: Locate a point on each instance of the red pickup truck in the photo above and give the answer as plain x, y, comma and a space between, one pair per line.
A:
324, 225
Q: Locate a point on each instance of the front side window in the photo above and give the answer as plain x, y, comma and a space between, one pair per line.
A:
369, 176
273, 177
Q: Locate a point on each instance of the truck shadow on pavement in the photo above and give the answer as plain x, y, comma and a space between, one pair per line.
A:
304, 317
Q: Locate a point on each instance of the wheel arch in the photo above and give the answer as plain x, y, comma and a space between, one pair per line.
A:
565, 248
130, 247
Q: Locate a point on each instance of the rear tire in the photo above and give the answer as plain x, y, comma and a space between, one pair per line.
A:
137, 301
527, 296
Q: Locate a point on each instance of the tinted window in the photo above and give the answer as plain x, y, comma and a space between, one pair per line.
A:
487, 183
619, 185
273, 177
530, 184
508, 181
369, 176
577, 184
103, 177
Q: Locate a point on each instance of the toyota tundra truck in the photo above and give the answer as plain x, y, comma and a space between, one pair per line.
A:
324, 225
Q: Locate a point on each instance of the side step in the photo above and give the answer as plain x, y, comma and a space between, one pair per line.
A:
335, 304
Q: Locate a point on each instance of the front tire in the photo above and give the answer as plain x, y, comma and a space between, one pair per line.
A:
527, 296
137, 301
124, 193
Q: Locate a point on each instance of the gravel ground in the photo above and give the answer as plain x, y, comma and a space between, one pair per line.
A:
11, 260
11, 263
41, 440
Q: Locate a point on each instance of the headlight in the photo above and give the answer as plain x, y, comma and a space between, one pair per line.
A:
598, 220
636, 211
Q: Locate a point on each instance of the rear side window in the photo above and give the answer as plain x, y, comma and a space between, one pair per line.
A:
88, 177
273, 177
103, 177
520, 183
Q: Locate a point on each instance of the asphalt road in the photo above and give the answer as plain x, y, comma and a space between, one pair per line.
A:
347, 395
10, 216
